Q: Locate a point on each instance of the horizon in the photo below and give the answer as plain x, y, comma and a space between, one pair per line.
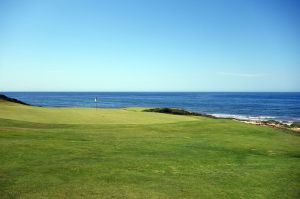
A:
149, 92
150, 46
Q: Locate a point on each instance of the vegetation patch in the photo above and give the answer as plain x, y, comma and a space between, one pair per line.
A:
9, 99
295, 125
176, 111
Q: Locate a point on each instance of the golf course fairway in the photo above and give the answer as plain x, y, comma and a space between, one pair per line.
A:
128, 153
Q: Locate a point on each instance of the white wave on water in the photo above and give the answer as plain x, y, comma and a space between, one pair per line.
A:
244, 117
253, 118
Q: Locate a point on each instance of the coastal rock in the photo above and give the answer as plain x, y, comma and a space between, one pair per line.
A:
9, 99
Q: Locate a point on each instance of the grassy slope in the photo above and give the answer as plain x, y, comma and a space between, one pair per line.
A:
75, 153
14, 111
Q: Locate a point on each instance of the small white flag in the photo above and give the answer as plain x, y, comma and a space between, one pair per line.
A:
95, 99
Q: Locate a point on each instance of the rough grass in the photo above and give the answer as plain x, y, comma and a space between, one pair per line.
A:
117, 153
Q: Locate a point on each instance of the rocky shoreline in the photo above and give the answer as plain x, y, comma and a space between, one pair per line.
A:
293, 126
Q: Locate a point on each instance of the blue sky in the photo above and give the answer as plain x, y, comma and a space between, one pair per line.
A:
157, 45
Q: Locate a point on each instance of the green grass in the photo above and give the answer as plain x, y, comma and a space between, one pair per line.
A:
127, 153
14, 111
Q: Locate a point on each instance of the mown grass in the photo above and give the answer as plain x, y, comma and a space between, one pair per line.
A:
51, 153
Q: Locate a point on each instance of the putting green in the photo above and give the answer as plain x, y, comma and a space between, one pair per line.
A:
9, 110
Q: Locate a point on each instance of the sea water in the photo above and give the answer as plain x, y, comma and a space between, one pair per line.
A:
253, 106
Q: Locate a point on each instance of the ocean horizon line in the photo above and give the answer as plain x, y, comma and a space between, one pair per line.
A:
149, 91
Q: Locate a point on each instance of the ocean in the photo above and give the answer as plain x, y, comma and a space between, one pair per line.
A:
251, 106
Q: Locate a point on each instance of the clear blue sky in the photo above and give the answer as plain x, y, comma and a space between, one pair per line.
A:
153, 45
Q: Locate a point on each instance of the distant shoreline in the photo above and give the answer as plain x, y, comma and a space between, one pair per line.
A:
257, 120
281, 106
